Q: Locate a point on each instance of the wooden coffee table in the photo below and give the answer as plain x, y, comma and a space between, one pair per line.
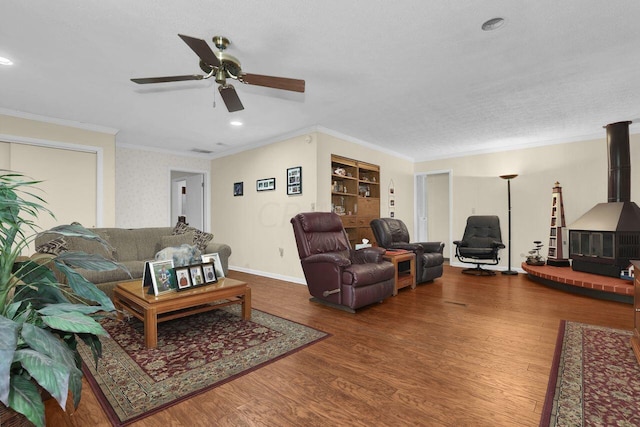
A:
130, 296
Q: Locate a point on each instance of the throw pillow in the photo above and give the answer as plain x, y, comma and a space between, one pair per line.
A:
201, 239
53, 247
178, 240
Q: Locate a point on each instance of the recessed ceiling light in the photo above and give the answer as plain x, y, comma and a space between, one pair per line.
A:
5, 61
236, 123
493, 24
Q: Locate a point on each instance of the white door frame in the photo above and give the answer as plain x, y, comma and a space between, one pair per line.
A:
448, 244
206, 195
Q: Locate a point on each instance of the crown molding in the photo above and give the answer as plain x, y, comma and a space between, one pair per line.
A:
57, 121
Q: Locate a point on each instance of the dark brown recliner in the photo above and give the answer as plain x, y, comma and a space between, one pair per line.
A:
480, 244
336, 274
392, 234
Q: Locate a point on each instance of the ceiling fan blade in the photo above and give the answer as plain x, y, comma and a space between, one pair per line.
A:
284, 83
202, 49
146, 80
230, 98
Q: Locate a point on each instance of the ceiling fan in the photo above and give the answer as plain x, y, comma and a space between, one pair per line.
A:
222, 66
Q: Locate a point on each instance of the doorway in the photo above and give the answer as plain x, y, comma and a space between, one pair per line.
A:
188, 198
433, 208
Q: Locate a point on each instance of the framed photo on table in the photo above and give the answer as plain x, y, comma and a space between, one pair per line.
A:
209, 273
217, 264
294, 181
161, 276
195, 272
182, 278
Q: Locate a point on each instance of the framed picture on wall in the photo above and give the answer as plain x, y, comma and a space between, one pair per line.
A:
294, 181
266, 184
238, 188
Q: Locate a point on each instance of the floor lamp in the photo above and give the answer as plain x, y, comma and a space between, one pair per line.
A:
509, 271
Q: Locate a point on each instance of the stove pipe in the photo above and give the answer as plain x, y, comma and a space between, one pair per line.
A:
619, 162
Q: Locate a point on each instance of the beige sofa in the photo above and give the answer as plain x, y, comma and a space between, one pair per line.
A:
131, 248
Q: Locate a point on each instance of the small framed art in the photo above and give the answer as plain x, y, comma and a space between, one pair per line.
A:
217, 264
238, 188
161, 276
266, 184
195, 272
294, 181
182, 278
209, 273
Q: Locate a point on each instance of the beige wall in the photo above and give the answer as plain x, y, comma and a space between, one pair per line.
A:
31, 131
580, 167
257, 226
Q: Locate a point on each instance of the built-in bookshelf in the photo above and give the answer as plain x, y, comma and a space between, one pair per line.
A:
355, 196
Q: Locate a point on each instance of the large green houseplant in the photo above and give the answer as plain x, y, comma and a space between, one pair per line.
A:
41, 319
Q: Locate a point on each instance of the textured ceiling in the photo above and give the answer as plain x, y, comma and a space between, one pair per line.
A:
418, 78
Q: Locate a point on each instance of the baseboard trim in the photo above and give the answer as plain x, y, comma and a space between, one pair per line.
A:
269, 275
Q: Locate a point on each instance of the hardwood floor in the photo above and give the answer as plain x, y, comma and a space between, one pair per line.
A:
462, 350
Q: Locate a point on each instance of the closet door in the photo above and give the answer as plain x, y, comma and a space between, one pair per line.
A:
69, 182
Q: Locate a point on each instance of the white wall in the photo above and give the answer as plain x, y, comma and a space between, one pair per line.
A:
580, 167
143, 185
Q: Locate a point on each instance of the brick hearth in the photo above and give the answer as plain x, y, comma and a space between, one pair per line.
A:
592, 285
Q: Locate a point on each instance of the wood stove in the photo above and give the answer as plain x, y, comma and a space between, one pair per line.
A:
606, 238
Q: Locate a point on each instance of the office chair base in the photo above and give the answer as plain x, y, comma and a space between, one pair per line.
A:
477, 271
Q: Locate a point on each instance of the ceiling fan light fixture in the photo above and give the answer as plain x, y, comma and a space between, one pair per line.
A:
221, 77
492, 24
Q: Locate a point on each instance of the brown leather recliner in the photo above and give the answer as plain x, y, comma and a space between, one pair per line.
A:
336, 274
392, 234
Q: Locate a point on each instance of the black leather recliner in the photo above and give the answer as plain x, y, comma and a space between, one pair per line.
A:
392, 233
480, 244
336, 274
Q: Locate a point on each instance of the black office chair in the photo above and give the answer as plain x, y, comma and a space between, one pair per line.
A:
480, 244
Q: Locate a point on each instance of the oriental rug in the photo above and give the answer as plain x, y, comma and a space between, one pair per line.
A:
194, 354
595, 379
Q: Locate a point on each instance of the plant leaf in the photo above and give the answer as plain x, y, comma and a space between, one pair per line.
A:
8, 341
85, 289
74, 322
88, 261
56, 309
50, 374
26, 399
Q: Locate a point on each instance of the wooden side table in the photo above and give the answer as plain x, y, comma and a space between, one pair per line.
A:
403, 278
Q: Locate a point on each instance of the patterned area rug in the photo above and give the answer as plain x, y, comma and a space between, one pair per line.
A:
194, 354
595, 379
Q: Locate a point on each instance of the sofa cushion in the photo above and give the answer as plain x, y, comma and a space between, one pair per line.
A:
53, 247
201, 239
177, 240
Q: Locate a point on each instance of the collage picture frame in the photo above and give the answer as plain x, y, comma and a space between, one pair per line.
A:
294, 181
195, 275
266, 184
